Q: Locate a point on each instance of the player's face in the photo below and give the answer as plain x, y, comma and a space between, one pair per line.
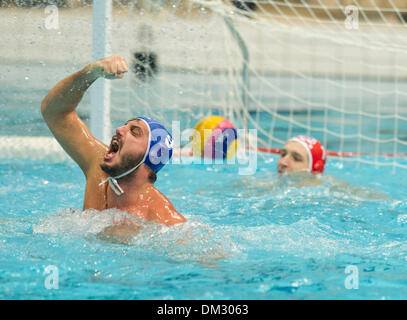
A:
127, 148
293, 158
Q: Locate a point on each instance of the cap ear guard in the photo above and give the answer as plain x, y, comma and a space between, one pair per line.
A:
159, 153
319, 166
160, 147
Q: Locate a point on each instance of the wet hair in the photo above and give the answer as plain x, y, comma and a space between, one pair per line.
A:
152, 176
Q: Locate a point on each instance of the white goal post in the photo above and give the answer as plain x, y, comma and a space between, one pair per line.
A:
332, 69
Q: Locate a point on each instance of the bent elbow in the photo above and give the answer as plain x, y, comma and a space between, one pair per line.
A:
44, 105
45, 108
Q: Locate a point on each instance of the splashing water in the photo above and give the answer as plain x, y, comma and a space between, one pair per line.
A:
256, 237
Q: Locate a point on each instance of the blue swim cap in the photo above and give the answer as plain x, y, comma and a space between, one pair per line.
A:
160, 145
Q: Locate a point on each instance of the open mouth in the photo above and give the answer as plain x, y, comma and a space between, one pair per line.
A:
113, 149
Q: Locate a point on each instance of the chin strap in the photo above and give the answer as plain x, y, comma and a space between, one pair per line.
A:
114, 185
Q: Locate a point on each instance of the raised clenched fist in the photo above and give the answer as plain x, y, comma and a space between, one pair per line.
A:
112, 67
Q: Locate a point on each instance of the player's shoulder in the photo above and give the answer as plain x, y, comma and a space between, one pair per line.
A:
159, 199
163, 209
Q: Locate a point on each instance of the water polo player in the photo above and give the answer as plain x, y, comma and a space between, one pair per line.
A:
121, 175
302, 154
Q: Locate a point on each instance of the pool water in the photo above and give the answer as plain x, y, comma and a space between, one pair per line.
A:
247, 237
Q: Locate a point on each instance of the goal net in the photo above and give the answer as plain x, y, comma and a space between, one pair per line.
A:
332, 69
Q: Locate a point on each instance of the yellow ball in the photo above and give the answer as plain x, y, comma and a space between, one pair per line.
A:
214, 137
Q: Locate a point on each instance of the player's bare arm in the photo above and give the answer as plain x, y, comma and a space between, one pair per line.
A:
58, 109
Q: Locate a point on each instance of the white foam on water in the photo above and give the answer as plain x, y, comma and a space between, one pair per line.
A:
75, 221
191, 241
